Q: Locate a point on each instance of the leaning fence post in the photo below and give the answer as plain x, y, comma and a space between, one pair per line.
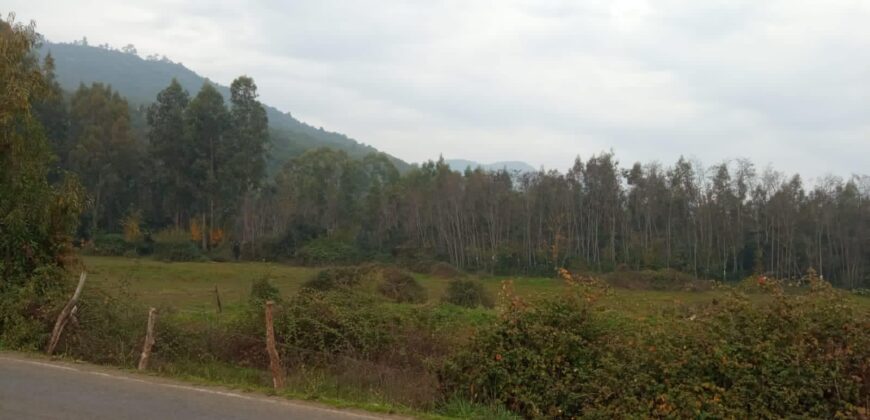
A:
217, 296
149, 340
64, 315
274, 361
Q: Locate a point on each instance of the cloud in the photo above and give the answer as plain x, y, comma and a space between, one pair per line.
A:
777, 81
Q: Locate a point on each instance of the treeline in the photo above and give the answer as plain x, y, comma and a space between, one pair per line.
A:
722, 222
196, 164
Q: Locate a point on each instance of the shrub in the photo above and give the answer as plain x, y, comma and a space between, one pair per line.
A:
108, 329
444, 270
284, 246
665, 279
328, 251
363, 343
172, 235
332, 323
262, 290
27, 311
146, 246
421, 265
334, 278
264, 249
794, 356
175, 245
222, 252
110, 245
537, 360
467, 293
177, 251
131, 225
401, 287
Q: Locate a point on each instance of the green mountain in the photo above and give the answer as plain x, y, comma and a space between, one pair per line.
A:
139, 80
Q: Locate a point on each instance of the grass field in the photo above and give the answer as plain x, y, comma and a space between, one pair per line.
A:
191, 285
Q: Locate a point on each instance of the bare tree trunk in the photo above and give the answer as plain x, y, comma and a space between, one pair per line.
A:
274, 361
64, 315
202, 232
149, 340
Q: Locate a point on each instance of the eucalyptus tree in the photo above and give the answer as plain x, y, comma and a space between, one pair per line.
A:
104, 153
207, 127
170, 153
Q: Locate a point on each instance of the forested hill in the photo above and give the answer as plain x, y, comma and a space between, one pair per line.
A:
140, 79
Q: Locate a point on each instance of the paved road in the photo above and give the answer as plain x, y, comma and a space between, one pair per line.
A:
35, 389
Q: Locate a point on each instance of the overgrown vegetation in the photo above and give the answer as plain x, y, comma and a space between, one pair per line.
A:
37, 218
666, 279
333, 278
799, 355
401, 287
468, 293
563, 355
327, 251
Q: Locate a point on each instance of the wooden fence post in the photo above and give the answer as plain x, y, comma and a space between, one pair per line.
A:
62, 318
217, 296
149, 340
274, 361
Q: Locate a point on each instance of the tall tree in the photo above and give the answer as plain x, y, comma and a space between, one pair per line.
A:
207, 128
36, 218
171, 154
247, 154
104, 153
246, 161
53, 114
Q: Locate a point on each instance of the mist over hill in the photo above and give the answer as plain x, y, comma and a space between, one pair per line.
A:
510, 166
140, 79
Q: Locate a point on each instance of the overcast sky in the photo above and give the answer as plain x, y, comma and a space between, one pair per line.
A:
782, 82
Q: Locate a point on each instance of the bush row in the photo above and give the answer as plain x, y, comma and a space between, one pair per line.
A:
170, 246
797, 356
660, 280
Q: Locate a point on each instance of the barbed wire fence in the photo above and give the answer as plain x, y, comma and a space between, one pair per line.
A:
339, 368
115, 327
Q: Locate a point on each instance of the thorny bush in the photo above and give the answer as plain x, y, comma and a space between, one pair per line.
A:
794, 355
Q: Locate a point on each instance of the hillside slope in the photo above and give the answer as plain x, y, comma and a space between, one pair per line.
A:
139, 80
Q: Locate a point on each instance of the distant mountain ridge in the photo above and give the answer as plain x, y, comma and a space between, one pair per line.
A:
511, 166
139, 80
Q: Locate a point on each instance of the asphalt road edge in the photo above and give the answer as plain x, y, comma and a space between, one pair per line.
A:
118, 374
